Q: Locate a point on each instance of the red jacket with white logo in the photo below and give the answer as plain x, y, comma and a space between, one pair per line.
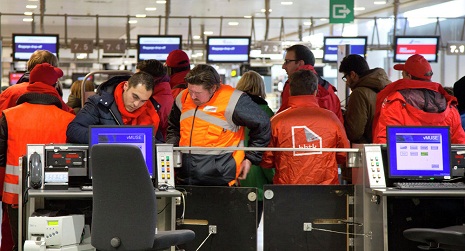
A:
303, 125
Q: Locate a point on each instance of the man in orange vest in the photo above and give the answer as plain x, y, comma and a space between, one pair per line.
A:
211, 114
45, 123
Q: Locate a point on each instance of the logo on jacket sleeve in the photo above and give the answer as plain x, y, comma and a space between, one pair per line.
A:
303, 137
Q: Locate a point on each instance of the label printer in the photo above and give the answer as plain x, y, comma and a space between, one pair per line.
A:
57, 167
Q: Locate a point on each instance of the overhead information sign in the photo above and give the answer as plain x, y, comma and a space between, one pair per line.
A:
114, 46
456, 48
272, 47
341, 11
82, 45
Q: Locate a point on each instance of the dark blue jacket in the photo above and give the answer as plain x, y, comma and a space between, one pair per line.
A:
100, 109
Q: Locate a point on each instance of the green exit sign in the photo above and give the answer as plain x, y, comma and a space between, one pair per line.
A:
341, 11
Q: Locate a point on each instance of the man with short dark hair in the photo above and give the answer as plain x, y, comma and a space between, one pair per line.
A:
211, 114
416, 100
117, 103
300, 57
305, 125
365, 84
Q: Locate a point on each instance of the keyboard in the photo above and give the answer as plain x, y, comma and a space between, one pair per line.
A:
430, 185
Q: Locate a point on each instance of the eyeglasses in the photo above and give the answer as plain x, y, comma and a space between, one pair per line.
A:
344, 78
286, 61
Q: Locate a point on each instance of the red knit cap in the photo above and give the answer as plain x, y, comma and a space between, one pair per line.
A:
177, 58
45, 73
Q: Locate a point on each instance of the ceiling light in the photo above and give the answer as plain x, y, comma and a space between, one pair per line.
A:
196, 37
233, 23
379, 2
208, 32
31, 6
161, 2
28, 13
263, 10
141, 15
247, 16
359, 8
308, 23
81, 56
28, 19
132, 21
286, 3
151, 9
323, 19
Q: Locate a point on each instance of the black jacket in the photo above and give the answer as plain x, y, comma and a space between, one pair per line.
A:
100, 109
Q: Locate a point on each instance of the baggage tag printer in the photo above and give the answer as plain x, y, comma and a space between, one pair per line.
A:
57, 166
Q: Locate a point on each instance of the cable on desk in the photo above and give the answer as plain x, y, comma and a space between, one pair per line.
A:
201, 244
337, 232
167, 204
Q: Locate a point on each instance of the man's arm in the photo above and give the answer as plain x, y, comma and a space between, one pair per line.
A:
78, 129
247, 113
173, 133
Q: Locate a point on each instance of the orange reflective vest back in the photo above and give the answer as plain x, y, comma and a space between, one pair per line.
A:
43, 124
211, 125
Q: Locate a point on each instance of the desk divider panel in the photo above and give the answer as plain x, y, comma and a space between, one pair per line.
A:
233, 210
288, 210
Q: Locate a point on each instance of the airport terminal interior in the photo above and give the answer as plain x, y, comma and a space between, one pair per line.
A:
95, 40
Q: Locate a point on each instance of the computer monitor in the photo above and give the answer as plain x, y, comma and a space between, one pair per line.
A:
14, 77
419, 152
141, 136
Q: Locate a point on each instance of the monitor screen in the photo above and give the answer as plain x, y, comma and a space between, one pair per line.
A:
141, 136
406, 46
14, 77
228, 49
80, 76
157, 47
358, 45
25, 44
419, 152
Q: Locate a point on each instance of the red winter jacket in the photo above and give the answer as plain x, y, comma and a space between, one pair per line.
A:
416, 102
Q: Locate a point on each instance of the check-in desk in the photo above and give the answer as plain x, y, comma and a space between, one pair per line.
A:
386, 212
166, 203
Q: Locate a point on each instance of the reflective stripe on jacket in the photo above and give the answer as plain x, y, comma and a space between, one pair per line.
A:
211, 125
43, 124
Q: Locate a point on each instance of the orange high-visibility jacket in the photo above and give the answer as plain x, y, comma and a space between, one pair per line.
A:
43, 124
210, 125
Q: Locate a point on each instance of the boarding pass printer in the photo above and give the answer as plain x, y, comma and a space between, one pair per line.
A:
61, 233
57, 166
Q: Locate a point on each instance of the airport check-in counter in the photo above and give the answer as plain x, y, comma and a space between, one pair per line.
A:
385, 212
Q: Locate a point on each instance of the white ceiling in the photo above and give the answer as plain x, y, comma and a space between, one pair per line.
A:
81, 22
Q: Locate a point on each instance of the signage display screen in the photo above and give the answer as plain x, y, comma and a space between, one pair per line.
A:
228, 49
406, 46
25, 44
358, 45
157, 47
